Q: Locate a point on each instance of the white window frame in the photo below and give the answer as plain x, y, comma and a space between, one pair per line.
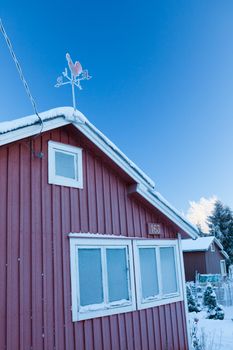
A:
160, 299
104, 309
223, 267
212, 247
61, 180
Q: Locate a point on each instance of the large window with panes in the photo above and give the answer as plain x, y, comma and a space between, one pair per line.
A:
113, 275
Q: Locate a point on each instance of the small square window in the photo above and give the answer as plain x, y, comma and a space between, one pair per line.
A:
65, 165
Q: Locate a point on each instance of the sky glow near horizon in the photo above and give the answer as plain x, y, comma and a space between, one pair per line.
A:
162, 86
199, 212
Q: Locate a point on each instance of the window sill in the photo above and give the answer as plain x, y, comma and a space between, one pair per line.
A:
159, 302
102, 312
60, 181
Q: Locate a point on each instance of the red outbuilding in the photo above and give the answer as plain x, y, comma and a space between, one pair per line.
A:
90, 253
205, 256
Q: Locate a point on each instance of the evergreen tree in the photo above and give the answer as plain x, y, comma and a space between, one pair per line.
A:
221, 226
227, 237
209, 297
200, 232
216, 221
192, 305
214, 310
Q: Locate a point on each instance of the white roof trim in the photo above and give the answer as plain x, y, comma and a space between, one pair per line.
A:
225, 254
31, 130
221, 247
218, 243
112, 151
21, 123
160, 203
24, 127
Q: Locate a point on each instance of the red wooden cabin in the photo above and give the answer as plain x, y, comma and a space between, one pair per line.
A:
90, 255
205, 255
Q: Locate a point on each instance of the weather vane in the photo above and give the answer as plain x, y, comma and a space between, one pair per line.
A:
76, 75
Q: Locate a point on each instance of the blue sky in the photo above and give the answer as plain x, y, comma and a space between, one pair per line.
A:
162, 83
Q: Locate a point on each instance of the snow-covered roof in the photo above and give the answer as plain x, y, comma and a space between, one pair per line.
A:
19, 123
27, 126
201, 244
69, 116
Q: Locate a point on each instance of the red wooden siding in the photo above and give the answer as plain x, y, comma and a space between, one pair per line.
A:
35, 295
213, 260
202, 262
194, 262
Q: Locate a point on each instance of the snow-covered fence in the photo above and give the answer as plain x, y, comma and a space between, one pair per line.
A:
223, 290
224, 293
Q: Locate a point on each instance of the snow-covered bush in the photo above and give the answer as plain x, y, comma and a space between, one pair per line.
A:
196, 343
199, 294
214, 310
192, 305
216, 314
209, 297
202, 340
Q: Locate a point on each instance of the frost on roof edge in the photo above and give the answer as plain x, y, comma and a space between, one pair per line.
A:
73, 117
77, 118
173, 209
67, 112
121, 154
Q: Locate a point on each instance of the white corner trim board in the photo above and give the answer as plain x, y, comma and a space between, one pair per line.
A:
184, 289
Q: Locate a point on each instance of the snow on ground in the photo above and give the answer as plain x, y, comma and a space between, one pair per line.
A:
218, 333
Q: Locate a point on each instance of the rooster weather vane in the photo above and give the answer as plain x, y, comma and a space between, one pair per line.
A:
77, 74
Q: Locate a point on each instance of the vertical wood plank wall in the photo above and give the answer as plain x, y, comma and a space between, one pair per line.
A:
194, 262
35, 218
213, 259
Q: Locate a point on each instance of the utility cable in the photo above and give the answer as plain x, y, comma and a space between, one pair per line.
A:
19, 69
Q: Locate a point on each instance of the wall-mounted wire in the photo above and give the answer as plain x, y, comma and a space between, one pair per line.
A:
29, 144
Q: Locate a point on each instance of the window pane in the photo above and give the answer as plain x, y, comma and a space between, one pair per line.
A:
90, 276
65, 164
223, 267
168, 270
149, 275
117, 274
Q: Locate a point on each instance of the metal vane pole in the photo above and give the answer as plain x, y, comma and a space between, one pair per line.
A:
77, 74
73, 93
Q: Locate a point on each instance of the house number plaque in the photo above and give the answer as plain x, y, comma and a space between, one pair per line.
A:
154, 229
